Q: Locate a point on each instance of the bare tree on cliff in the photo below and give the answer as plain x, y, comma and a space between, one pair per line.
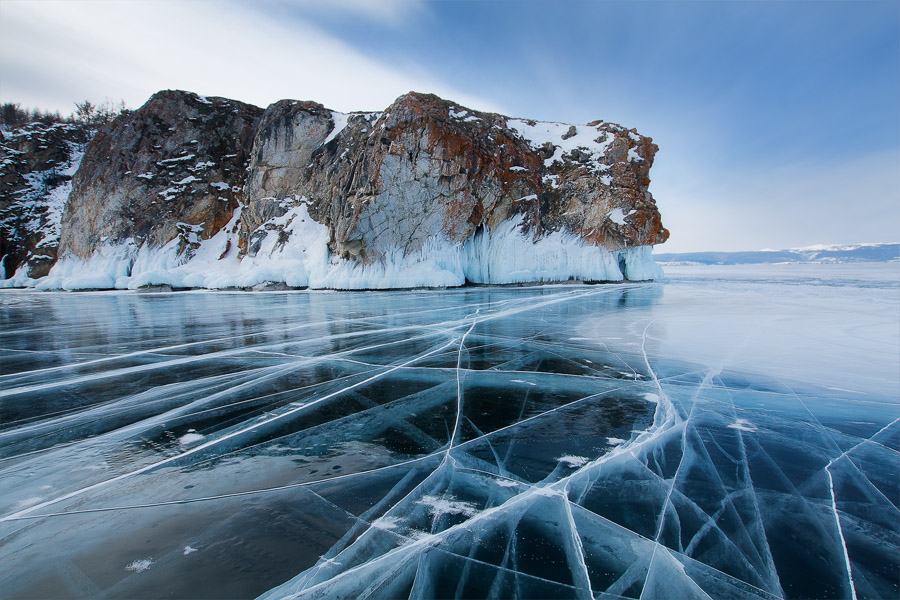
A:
12, 114
96, 115
85, 112
92, 116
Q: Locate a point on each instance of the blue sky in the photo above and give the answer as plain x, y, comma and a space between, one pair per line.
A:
778, 121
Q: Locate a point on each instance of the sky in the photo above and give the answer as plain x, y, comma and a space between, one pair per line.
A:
778, 122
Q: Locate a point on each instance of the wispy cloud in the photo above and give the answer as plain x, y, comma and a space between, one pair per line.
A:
394, 13
53, 53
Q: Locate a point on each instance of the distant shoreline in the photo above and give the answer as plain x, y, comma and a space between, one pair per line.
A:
857, 253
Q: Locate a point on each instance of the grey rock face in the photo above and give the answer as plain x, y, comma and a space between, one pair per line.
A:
426, 168
287, 135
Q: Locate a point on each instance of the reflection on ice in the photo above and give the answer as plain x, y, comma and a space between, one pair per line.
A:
527, 442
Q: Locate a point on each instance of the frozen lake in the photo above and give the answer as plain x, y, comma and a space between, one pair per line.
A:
733, 432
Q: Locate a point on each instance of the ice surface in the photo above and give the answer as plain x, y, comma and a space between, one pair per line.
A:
717, 436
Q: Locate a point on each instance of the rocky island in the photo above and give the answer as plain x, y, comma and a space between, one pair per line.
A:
196, 192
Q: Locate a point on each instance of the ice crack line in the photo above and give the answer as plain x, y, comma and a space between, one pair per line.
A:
834, 508
837, 521
221, 439
459, 402
837, 518
234, 352
183, 346
216, 497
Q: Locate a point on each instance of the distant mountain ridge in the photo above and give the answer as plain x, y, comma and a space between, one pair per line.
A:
848, 253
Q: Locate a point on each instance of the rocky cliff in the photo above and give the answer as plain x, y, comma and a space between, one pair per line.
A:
36, 167
207, 192
173, 169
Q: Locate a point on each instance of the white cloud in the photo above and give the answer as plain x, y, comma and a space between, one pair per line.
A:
54, 53
387, 12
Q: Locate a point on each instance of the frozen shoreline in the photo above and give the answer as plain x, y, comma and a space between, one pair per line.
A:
302, 260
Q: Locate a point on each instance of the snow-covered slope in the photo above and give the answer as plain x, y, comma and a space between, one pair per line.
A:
37, 163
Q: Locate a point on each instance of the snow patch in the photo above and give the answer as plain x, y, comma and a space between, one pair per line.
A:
387, 523
139, 566
507, 483
340, 122
190, 437
25, 503
462, 115
447, 505
743, 425
592, 140
573, 462
617, 215
172, 161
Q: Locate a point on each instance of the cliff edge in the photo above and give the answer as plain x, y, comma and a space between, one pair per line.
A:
189, 191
